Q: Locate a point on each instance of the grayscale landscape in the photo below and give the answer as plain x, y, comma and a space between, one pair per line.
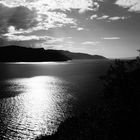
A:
69, 69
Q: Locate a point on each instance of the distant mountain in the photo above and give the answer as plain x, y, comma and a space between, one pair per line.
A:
81, 55
22, 54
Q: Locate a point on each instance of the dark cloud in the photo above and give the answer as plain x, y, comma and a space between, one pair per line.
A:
19, 17
5, 13
108, 7
130, 24
111, 9
22, 18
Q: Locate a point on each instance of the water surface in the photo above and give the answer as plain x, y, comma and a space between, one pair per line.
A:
36, 97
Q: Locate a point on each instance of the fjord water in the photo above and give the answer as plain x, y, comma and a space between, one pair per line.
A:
36, 97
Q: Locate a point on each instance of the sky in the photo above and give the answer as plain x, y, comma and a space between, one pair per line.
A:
105, 27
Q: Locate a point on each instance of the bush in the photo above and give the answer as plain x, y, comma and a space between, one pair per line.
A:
122, 96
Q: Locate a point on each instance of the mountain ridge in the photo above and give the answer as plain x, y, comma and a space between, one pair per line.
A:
13, 53
78, 55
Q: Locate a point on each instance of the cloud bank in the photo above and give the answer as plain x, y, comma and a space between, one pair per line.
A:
21, 17
133, 5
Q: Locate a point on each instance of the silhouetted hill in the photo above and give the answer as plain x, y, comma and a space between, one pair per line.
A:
14, 53
21, 54
81, 55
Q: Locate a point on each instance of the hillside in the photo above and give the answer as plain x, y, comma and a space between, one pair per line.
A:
81, 55
22, 54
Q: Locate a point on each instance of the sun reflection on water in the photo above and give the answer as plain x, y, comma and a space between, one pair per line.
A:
39, 108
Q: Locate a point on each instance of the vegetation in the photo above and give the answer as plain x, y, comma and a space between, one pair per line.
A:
116, 115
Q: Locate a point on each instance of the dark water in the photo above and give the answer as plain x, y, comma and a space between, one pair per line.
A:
36, 97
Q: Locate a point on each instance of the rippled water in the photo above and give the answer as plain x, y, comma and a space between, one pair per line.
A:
36, 98
37, 105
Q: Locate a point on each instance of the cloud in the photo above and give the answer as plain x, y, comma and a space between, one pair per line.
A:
25, 38
53, 20
19, 17
57, 43
46, 14
80, 28
110, 9
103, 17
90, 43
15, 36
45, 5
133, 5
93, 17
111, 38
99, 17
27, 16
109, 18
29, 20
118, 18
22, 18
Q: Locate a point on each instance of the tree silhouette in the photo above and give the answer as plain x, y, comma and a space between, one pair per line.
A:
122, 93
